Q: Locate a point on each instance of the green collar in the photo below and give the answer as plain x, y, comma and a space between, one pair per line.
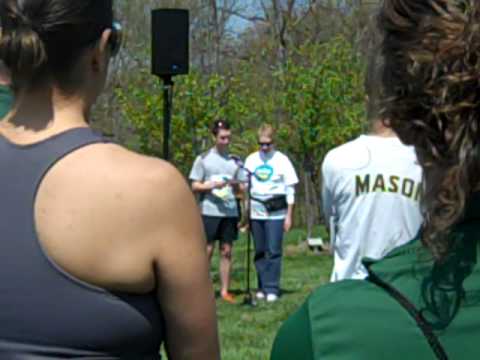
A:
6, 100
438, 289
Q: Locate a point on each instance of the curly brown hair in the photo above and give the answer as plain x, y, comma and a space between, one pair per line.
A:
432, 87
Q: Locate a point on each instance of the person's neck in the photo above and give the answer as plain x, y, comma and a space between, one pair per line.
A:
4, 75
380, 130
222, 150
44, 112
267, 154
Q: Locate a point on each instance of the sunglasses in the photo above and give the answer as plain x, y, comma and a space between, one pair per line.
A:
116, 38
265, 144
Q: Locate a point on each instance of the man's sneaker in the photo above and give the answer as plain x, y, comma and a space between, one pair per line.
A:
272, 298
228, 298
260, 295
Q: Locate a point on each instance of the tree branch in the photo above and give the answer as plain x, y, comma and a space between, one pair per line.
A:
243, 16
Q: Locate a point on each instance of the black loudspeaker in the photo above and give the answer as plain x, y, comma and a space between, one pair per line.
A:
170, 42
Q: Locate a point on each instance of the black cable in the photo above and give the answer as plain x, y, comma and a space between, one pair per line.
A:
422, 323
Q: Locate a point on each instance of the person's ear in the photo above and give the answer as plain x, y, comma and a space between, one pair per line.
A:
101, 52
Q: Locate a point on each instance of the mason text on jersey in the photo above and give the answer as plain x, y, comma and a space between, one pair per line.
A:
368, 183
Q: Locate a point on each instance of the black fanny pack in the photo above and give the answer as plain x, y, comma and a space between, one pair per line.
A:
275, 203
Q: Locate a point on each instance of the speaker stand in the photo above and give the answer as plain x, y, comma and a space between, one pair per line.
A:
167, 113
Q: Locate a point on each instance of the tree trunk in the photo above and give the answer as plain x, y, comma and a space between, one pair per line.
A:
310, 211
216, 35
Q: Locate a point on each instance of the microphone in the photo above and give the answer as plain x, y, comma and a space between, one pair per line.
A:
241, 166
238, 161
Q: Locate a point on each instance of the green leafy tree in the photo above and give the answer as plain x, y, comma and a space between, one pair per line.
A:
323, 100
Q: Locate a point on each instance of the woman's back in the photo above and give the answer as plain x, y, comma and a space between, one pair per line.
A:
421, 301
51, 311
80, 216
364, 321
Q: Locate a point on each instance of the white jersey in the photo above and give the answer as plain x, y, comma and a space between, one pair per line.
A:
273, 174
371, 191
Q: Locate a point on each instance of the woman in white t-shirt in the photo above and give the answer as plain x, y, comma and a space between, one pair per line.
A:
273, 197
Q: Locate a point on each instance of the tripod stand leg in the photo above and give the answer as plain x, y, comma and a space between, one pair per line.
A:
249, 299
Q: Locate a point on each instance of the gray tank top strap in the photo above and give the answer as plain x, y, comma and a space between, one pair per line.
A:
45, 312
34, 160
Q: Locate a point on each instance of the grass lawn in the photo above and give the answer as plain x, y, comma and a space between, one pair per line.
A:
247, 333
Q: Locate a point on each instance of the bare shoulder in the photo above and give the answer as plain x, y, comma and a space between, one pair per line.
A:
130, 164
159, 212
105, 197
139, 184
115, 169
113, 187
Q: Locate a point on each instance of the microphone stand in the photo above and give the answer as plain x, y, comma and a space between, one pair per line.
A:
248, 299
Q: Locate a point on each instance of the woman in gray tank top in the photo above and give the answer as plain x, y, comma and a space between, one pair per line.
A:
95, 263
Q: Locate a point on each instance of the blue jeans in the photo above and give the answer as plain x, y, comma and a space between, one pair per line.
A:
268, 237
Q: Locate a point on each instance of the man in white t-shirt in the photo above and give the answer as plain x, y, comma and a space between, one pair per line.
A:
273, 197
371, 191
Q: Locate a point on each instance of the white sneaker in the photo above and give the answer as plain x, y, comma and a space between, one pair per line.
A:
272, 298
260, 295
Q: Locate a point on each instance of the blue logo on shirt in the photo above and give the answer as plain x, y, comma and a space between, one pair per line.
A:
264, 173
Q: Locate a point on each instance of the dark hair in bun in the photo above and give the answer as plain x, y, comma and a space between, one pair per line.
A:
42, 38
220, 124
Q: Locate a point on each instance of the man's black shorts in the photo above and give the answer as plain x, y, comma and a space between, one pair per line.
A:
224, 229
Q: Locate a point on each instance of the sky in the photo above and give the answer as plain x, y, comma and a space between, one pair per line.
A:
250, 7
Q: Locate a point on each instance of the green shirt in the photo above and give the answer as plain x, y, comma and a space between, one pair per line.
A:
357, 320
6, 100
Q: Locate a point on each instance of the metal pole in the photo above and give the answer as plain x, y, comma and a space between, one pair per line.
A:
249, 299
167, 114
